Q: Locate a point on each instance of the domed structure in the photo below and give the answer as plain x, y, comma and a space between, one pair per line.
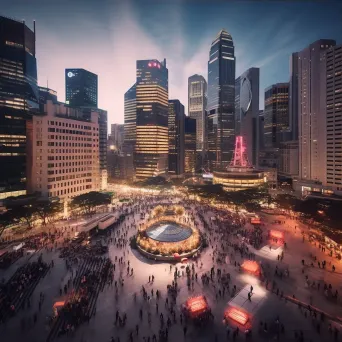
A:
168, 232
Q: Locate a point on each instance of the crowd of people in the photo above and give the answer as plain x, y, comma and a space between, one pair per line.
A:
229, 241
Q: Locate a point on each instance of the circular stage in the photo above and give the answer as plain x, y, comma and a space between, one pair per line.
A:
168, 232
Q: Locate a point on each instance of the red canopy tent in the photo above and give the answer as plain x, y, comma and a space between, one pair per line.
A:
251, 267
196, 306
236, 314
276, 234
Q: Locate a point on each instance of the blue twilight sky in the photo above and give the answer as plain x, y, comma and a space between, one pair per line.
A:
108, 36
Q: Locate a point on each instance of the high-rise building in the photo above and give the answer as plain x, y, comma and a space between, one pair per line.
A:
261, 130
288, 159
130, 116
80, 88
152, 141
19, 98
190, 143
176, 137
103, 136
331, 76
64, 146
46, 94
247, 112
311, 112
117, 135
293, 96
221, 101
276, 114
197, 104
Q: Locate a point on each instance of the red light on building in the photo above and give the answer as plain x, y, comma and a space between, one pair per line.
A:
237, 315
149, 64
154, 64
251, 267
240, 153
158, 66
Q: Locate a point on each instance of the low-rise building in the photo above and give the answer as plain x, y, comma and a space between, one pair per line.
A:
63, 147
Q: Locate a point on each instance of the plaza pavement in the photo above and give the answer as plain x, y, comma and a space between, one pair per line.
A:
101, 327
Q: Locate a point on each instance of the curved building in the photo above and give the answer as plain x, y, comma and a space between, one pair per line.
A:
247, 111
221, 101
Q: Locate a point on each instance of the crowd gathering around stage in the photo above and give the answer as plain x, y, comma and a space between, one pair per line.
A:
230, 241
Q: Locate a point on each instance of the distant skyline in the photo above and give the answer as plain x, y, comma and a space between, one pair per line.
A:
107, 37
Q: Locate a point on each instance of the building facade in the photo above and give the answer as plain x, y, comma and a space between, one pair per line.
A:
152, 109
19, 99
293, 96
221, 101
276, 114
80, 88
190, 145
87, 113
130, 116
197, 104
288, 159
332, 88
117, 135
311, 112
247, 111
176, 137
64, 160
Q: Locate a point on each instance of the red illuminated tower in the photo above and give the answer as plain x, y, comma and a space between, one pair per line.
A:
240, 156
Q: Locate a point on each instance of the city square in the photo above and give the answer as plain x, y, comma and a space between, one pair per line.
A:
170, 170
143, 299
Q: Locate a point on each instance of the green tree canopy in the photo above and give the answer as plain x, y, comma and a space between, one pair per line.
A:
89, 201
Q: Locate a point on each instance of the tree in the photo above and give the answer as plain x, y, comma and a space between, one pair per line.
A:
89, 201
24, 214
286, 201
158, 211
47, 210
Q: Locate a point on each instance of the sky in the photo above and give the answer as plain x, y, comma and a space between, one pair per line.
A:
106, 37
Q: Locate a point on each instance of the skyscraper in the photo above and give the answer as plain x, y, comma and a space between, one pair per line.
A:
152, 146
197, 104
19, 98
247, 112
276, 114
311, 112
293, 96
130, 116
117, 136
80, 88
176, 137
221, 101
331, 90
190, 141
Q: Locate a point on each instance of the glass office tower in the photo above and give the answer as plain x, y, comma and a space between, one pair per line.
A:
19, 98
190, 142
276, 114
221, 101
151, 149
197, 105
130, 116
80, 88
176, 137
